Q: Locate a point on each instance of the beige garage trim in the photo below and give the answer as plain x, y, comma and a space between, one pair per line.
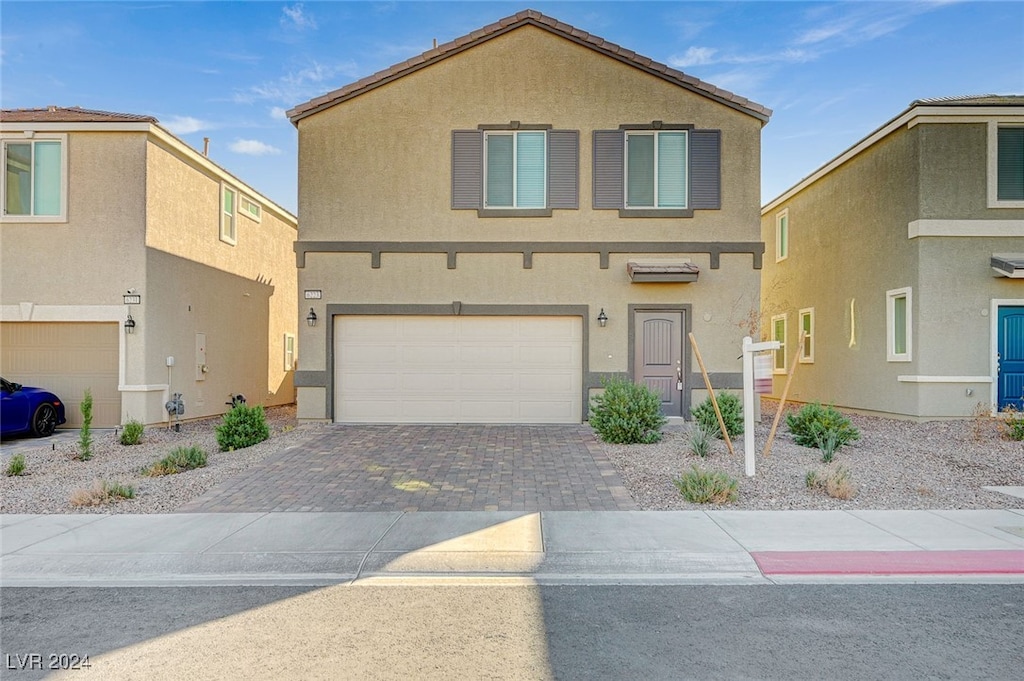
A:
66, 358
458, 369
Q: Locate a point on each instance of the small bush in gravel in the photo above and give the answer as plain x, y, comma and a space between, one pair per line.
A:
835, 482
1014, 423
627, 413
813, 424
16, 466
181, 459
700, 486
132, 433
700, 441
85, 434
732, 414
102, 492
242, 427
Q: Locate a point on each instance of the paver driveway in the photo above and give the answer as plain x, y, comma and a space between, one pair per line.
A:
429, 468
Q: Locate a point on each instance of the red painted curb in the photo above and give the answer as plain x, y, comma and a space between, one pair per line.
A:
997, 562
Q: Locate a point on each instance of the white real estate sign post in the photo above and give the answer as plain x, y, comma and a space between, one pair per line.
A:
749, 348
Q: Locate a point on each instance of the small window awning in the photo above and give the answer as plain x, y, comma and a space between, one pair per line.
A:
1009, 265
663, 272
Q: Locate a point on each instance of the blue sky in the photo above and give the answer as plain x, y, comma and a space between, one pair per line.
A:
831, 71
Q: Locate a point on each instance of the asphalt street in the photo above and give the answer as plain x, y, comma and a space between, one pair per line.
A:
514, 629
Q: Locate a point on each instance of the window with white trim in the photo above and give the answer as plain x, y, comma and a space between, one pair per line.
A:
899, 324
289, 352
779, 334
35, 178
251, 209
515, 169
806, 316
656, 169
782, 235
228, 215
1006, 166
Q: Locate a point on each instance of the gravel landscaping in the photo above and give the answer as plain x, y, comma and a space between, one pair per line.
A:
896, 464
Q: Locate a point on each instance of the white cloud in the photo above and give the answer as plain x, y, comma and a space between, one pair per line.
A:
185, 125
278, 113
253, 148
296, 18
298, 86
694, 56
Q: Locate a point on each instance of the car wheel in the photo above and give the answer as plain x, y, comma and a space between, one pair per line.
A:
44, 422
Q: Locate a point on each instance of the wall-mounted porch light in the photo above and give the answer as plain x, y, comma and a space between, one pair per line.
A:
311, 317
129, 324
602, 318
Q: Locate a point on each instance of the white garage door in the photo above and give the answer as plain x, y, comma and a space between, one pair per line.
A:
453, 369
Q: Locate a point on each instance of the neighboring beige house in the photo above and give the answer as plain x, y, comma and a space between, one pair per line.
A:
492, 227
107, 216
903, 261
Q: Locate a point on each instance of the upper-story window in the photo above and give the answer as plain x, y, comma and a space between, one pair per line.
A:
515, 170
35, 178
251, 209
229, 215
1006, 166
782, 235
657, 170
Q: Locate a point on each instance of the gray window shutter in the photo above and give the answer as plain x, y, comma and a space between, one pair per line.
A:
467, 169
563, 169
706, 169
1010, 171
609, 147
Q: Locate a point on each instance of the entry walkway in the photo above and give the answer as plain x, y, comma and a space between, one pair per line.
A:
665, 547
429, 468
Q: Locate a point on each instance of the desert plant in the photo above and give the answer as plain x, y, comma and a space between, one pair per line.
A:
243, 426
102, 492
627, 413
16, 466
132, 433
181, 459
85, 435
700, 441
701, 486
828, 443
1013, 424
732, 414
835, 482
983, 425
812, 424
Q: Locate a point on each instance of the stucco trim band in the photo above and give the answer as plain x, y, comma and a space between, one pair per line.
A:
965, 228
527, 248
944, 379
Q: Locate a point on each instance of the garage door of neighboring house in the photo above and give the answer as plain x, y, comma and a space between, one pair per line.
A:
66, 358
458, 369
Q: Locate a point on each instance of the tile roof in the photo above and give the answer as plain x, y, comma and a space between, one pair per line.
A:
74, 114
532, 18
972, 100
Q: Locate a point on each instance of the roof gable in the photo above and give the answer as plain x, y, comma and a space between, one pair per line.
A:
528, 18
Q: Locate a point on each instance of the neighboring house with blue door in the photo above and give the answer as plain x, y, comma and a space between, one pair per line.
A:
902, 261
494, 226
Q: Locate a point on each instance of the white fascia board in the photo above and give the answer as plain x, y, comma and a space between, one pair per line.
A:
909, 118
965, 228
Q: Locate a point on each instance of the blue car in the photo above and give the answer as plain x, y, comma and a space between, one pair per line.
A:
28, 410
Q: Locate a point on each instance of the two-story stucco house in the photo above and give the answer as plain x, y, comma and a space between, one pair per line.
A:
135, 267
902, 260
492, 227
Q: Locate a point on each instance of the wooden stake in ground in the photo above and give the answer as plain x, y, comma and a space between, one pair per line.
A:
782, 400
711, 391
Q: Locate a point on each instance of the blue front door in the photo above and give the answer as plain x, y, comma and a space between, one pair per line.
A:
1011, 357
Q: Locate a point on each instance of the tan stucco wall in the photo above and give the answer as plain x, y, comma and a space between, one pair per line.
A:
849, 242
378, 168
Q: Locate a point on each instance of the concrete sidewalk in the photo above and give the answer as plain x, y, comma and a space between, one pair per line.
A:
553, 547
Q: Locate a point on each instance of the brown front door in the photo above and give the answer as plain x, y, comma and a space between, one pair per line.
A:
658, 356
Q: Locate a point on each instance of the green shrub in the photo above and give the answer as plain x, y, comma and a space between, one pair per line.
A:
85, 435
700, 486
243, 427
732, 414
1014, 423
627, 413
132, 433
700, 441
821, 427
181, 459
16, 466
